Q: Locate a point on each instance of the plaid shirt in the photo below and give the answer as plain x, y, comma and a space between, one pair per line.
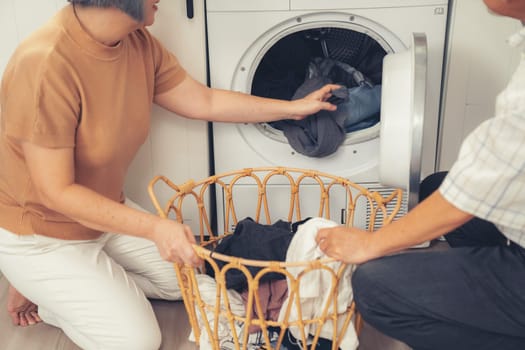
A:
488, 178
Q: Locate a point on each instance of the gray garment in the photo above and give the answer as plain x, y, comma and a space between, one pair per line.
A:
316, 136
321, 134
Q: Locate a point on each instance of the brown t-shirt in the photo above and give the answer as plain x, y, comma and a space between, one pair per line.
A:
62, 89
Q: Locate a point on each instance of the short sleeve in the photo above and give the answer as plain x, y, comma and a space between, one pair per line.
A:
168, 71
488, 178
40, 102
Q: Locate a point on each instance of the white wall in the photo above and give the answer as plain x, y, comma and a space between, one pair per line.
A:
18, 18
177, 147
480, 64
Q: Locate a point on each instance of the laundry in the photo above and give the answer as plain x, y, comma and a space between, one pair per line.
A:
271, 296
314, 287
282, 241
254, 241
291, 343
358, 99
208, 292
365, 124
363, 104
284, 66
225, 332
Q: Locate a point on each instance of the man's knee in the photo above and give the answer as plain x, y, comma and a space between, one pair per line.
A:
363, 281
371, 283
430, 184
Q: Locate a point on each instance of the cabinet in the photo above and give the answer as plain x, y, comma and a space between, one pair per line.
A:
479, 64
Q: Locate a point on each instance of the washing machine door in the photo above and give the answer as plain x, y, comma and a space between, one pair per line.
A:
402, 117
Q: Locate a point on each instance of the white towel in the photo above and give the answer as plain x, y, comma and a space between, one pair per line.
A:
315, 286
208, 291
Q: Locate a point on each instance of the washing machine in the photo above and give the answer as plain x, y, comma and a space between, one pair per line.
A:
265, 47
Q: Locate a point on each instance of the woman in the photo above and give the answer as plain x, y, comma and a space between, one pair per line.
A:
75, 102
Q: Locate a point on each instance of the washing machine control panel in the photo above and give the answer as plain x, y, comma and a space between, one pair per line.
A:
247, 5
289, 5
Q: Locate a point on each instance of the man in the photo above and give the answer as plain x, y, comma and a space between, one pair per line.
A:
473, 295
75, 102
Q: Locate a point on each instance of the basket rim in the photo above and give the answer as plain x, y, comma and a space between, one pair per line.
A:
187, 189
318, 263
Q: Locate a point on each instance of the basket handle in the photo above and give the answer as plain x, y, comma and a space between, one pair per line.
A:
163, 214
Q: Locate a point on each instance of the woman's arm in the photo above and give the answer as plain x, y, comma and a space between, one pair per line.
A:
432, 218
53, 175
197, 101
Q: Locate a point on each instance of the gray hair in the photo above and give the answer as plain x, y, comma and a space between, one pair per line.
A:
134, 8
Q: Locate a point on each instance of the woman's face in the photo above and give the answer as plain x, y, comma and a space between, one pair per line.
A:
509, 8
150, 8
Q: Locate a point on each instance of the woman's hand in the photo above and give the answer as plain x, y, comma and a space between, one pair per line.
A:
347, 244
174, 242
314, 102
21, 310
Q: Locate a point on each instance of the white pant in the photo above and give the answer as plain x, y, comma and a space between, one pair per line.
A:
94, 290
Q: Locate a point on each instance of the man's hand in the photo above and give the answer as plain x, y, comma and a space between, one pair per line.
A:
346, 244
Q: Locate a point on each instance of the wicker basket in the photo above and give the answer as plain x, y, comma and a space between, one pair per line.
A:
206, 315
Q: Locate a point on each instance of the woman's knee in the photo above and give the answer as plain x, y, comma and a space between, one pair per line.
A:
128, 329
135, 335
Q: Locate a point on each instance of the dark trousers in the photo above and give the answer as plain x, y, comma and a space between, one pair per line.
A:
471, 296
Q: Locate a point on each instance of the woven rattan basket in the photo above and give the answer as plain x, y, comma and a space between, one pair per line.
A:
206, 315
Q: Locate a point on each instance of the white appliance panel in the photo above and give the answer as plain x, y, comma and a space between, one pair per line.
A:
402, 117
241, 32
230, 48
247, 5
266, 5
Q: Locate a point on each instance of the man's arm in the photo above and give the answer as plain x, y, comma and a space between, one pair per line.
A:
194, 100
432, 218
